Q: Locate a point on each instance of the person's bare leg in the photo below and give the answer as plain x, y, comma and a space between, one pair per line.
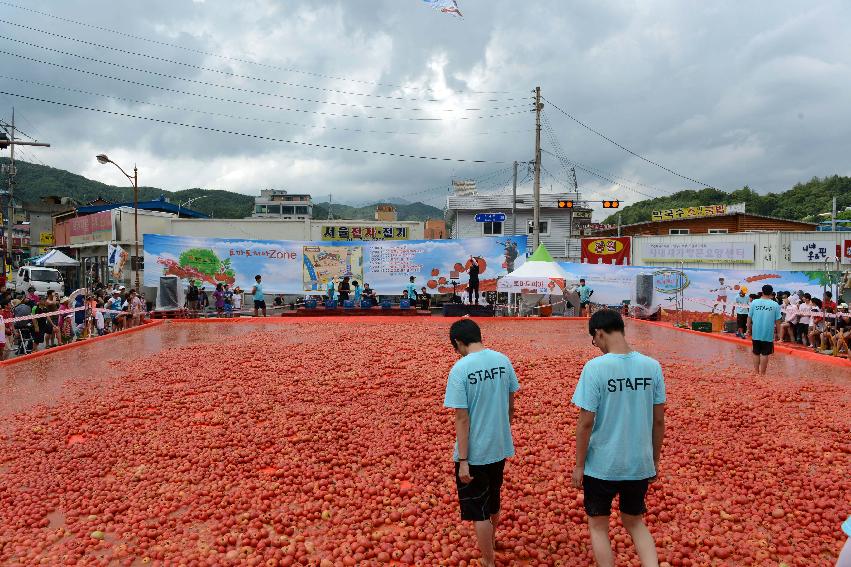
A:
756, 363
641, 539
495, 523
763, 365
484, 535
600, 543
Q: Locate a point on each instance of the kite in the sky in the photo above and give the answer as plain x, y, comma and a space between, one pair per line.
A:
445, 6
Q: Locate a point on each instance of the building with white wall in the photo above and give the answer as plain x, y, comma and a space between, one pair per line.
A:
560, 227
279, 204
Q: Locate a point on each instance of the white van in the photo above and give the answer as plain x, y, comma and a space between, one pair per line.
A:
42, 279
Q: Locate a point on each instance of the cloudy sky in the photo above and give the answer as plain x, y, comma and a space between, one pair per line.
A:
725, 93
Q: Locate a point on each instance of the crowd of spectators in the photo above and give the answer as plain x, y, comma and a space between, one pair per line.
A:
52, 320
816, 323
222, 301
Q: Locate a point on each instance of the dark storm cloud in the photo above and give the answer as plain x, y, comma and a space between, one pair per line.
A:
725, 93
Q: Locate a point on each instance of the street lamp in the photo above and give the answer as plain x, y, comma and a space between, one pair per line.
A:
102, 158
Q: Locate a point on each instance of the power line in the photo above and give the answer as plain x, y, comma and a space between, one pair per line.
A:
238, 89
237, 75
591, 171
624, 148
257, 104
244, 134
234, 59
225, 115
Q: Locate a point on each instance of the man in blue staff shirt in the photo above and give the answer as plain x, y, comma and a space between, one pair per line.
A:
763, 324
585, 293
621, 400
480, 389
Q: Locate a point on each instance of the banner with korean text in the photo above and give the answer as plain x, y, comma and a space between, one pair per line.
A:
698, 252
294, 267
699, 289
606, 250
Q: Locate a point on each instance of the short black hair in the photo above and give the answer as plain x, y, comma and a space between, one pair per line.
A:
607, 320
817, 302
257, 277
807, 296
413, 278
767, 289
464, 331
828, 294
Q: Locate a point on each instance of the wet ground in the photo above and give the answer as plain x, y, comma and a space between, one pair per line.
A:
40, 380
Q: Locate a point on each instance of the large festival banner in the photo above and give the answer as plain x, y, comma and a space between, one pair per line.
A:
699, 289
295, 267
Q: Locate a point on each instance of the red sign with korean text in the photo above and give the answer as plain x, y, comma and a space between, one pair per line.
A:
846, 251
614, 250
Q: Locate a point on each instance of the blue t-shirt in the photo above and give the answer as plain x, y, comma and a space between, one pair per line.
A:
258, 292
358, 293
330, 290
764, 312
480, 383
584, 293
412, 291
742, 304
621, 390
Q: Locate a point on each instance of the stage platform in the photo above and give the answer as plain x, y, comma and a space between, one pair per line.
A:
460, 310
340, 312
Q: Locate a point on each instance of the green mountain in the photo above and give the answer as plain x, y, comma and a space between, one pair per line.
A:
35, 181
804, 201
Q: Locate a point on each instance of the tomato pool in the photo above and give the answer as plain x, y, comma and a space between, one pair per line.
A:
324, 442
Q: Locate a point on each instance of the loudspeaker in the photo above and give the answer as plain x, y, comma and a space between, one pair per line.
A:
644, 290
169, 294
348, 304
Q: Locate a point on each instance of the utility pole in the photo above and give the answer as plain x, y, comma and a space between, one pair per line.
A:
11, 171
619, 225
514, 203
575, 184
10, 220
536, 210
330, 216
833, 216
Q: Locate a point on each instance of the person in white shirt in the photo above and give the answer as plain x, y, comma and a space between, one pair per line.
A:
787, 328
805, 312
99, 322
237, 299
2, 338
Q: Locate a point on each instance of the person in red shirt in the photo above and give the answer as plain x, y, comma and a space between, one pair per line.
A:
827, 303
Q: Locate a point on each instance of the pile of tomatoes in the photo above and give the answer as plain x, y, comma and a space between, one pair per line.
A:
325, 443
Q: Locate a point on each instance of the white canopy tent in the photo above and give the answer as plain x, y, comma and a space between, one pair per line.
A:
55, 259
539, 277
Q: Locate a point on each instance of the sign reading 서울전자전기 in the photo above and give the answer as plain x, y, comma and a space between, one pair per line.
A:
490, 217
655, 253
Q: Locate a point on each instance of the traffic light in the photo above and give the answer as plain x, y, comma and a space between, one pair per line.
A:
611, 204
4, 141
565, 204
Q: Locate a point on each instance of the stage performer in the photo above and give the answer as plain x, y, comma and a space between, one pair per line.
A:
621, 400
259, 298
411, 288
343, 289
473, 283
330, 292
480, 389
356, 293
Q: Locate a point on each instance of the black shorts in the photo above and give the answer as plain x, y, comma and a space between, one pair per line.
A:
763, 348
473, 284
742, 321
479, 500
259, 304
600, 493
